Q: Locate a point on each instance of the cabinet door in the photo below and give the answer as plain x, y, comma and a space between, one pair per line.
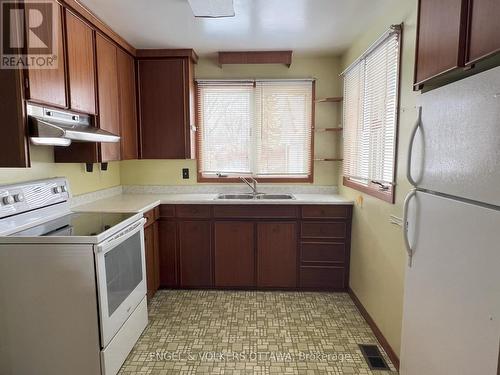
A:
128, 110
167, 233
440, 37
150, 259
81, 70
48, 86
164, 109
195, 254
277, 255
107, 83
156, 255
484, 29
234, 254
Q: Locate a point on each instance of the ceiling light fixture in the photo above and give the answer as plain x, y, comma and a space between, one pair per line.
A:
212, 8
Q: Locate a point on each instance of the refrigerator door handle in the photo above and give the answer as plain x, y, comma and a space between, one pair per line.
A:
410, 147
409, 250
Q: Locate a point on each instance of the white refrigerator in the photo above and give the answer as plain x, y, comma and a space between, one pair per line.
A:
451, 318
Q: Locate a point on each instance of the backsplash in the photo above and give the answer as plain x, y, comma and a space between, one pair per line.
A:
227, 188
95, 195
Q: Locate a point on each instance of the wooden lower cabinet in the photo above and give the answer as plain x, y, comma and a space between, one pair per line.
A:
152, 252
328, 252
322, 277
149, 247
168, 254
277, 255
195, 260
234, 254
255, 247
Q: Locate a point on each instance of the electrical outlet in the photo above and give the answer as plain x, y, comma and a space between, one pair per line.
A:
185, 173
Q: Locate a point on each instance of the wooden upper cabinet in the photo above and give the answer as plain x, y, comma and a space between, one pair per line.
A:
128, 109
484, 29
440, 37
81, 71
48, 86
14, 144
107, 83
165, 108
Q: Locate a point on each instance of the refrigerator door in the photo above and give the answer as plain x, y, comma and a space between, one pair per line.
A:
457, 147
451, 320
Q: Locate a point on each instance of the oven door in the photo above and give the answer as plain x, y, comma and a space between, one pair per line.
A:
121, 278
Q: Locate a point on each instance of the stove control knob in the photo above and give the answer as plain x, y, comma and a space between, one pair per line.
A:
18, 198
9, 199
57, 190
63, 189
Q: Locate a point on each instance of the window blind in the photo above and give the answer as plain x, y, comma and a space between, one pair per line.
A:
225, 116
370, 112
259, 128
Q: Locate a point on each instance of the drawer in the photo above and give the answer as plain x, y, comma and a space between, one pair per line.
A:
325, 252
334, 230
322, 277
167, 210
326, 212
255, 211
151, 216
193, 211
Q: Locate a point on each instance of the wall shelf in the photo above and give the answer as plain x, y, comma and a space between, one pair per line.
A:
332, 99
256, 57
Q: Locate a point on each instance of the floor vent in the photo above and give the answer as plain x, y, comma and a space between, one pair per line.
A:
373, 357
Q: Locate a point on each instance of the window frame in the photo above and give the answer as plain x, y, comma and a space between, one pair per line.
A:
236, 178
370, 188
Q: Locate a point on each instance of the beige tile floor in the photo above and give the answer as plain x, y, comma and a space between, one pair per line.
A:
249, 332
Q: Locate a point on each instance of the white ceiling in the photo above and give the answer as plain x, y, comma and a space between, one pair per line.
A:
304, 26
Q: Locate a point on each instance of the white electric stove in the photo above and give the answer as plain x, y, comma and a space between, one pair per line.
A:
72, 284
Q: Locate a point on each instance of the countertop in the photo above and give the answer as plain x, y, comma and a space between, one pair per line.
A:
144, 202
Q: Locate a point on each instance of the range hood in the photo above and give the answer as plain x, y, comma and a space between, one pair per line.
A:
51, 127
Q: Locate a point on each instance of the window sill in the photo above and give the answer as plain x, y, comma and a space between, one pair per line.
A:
308, 179
372, 190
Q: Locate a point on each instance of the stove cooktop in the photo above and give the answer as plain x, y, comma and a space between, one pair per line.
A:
79, 224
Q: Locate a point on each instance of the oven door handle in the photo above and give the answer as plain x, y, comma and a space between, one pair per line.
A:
125, 234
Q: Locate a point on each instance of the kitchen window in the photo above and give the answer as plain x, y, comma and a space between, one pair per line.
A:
260, 128
370, 113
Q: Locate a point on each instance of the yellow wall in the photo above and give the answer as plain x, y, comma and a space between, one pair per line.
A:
378, 257
324, 69
168, 172
43, 166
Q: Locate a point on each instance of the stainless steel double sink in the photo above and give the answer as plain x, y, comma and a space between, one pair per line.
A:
255, 196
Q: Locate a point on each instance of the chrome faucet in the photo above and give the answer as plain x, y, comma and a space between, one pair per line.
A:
252, 182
